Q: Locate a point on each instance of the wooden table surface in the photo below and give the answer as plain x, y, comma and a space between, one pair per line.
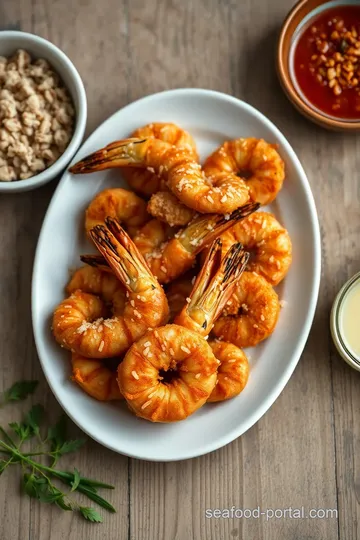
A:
303, 452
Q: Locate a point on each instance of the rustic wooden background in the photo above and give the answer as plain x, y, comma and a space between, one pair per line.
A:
303, 452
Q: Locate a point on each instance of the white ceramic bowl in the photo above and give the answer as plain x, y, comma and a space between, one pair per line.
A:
11, 41
211, 118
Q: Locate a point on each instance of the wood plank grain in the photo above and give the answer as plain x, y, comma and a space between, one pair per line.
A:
125, 50
20, 220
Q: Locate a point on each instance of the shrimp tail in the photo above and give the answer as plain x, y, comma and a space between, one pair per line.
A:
120, 253
124, 153
205, 228
96, 261
213, 286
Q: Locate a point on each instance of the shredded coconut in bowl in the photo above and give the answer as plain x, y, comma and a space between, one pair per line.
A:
36, 116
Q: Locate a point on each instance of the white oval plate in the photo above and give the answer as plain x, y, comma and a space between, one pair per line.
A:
211, 117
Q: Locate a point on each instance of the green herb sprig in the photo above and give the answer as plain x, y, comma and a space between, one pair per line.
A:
37, 477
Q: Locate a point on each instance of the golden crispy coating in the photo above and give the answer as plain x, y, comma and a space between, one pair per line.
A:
222, 192
164, 206
146, 182
82, 322
268, 243
233, 371
251, 314
95, 378
169, 259
168, 374
118, 203
256, 163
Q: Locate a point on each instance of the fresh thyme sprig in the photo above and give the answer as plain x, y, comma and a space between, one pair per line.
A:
36, 476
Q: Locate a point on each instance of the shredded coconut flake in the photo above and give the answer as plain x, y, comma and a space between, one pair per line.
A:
146, 404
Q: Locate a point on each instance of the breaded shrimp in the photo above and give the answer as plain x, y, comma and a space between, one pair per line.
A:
221, 193
267, 241
164, 206
95, 378
178, 291
167, 260
251, 314
233, 371
171, 371
118, 203
145, 182
81, 322
256, 162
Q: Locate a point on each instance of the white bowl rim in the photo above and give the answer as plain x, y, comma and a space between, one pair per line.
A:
81, 117
267, 403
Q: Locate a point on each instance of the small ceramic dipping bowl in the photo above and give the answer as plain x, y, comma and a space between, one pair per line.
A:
37, 47
345, 322
308, 53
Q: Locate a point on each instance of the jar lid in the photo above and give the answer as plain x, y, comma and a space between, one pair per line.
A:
336, 323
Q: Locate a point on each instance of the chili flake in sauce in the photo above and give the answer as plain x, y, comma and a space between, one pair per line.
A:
327, 62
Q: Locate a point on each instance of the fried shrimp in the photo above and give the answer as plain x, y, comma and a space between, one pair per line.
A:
256, 163
164, 206
233, 371
118, 203
222, 192
171, 371
177, 293
212, 288
102, 283
82, 322
251, 314
267, 241
167, 260
146, 182
168, 374
95, 378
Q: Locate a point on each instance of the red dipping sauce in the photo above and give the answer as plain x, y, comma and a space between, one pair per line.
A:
326, 62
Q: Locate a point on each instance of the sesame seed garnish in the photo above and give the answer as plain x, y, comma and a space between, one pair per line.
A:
171, 351
185, 349
163, 269
146, 404
135, 375
152, 394
193, 280
223, 199
188, 300
197, 376
137, 314
101, 346
147, 344
209, 198
262, 317
146, 351
132, 303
